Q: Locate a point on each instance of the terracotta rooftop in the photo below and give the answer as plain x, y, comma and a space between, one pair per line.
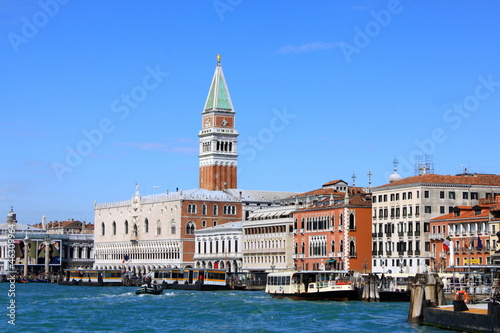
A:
469, 179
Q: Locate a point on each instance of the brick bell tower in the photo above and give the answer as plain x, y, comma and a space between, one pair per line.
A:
218, 138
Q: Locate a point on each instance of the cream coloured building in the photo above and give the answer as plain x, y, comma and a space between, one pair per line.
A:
268, 239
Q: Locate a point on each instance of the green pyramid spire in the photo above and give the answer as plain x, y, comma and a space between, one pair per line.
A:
218, 96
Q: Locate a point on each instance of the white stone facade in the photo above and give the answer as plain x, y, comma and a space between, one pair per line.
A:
220, 247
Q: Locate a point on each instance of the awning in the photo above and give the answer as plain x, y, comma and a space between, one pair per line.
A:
331, 260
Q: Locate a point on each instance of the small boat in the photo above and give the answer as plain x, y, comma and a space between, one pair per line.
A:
149, 289
312, 285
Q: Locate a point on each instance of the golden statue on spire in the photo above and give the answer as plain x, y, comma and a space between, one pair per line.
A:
218, 58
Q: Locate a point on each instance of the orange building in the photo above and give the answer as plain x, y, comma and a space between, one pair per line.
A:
334, 233
466, 237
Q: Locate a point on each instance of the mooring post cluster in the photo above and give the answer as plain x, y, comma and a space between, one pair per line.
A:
426, 288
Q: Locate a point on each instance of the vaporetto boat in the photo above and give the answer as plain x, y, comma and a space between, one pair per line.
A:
191, 278
312, 285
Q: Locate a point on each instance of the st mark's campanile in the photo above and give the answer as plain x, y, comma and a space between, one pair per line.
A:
218, 137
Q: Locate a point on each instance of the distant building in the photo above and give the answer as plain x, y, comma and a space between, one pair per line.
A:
70, 226
66, 250
403, 209
331, 231
472, 236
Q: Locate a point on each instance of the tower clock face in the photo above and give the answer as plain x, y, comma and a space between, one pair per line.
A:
224, 122
207, 122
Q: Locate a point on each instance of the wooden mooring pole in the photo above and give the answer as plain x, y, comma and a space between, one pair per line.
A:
426, 287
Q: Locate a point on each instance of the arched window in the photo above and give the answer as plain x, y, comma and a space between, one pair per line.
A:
172, 227
333, 246
146, 226
352, 249
126, 227
303, 248
225, 210
352, 226
158, 227
135, 232
190, 228
204, 209
103, 229
215, 209
114, 228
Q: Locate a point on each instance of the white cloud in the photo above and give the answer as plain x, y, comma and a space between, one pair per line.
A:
310, 47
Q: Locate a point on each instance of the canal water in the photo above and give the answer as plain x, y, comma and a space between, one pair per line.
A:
43, 307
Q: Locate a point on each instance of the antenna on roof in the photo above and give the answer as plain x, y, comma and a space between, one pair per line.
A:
353, 179
370, 174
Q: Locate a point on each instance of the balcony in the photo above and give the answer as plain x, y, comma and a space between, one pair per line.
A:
389, 253
374, 234
417, 233
410, 233
380, 234
410, 252
374, 253
298, 256
401, 234
417, 252
437, 236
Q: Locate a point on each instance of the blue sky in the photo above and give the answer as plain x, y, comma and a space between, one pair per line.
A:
98, 95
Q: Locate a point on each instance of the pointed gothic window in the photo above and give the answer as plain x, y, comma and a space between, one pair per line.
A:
114, 228
215, 210
103, 229
158, 227
172, 227
126, 227
190, 228
146, 226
